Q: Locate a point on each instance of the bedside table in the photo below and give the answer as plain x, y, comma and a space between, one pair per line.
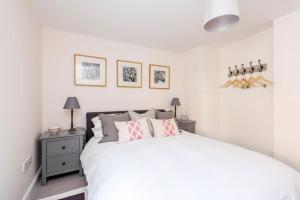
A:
187, 125
61, 152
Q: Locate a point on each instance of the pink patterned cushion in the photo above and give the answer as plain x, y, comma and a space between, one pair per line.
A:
135, 130
164, 127
169, 128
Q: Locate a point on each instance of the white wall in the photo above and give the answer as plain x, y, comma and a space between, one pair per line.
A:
242, 117
20, 105
246, 116
202, 73
57, 76
287, 89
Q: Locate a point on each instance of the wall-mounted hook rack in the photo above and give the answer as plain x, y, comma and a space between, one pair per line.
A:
247, 70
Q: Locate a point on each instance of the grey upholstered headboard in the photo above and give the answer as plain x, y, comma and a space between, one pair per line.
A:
91, 115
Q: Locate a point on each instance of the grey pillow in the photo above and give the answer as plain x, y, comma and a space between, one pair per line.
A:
165, 115
150, 114
110, 131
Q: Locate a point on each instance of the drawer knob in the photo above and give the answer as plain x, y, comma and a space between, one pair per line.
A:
63, 164
63, 147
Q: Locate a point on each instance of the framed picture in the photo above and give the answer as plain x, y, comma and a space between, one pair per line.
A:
89, 71
159, 77
129, 74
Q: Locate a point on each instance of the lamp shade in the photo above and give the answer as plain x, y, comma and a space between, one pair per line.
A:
221, 14
175, 102
72, 103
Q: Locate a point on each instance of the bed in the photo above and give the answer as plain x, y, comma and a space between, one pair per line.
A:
186, 166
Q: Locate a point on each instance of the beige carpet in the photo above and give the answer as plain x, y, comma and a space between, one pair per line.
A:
57, 185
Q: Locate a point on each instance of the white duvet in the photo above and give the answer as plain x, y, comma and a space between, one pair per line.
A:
184, 167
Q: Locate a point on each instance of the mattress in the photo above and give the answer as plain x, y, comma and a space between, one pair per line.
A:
186, 166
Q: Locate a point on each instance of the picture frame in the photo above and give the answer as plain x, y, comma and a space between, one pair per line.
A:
90, 71
159, 76
129, 74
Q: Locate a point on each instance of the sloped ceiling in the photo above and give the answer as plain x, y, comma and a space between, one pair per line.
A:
173, 25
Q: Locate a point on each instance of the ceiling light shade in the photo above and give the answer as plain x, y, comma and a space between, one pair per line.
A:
221, 14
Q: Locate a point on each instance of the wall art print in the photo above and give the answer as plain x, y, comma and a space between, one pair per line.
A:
159, 77
129, 74
89, 70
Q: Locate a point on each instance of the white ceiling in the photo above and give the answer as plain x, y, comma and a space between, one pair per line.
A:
173, 25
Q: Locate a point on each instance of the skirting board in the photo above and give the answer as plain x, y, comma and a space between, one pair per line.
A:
32, 184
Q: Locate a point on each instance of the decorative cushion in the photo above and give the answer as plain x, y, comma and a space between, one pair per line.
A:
150, 114
133, 130
97, 130
109, 129
165, 115
164, 127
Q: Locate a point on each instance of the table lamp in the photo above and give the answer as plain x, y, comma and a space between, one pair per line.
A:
175, 102
72, 103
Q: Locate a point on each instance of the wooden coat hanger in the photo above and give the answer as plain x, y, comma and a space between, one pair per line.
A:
261, 78
253, 80
229, 82
233, 82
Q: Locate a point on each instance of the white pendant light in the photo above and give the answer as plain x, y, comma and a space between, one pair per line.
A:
221, 14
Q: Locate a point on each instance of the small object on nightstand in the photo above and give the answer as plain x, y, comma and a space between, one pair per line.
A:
184, 118
61, 152
72, 103
54, 130
187, 125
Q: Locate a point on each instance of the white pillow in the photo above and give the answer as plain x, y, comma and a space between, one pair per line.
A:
133, 130
97, 122
164, 127
97, 130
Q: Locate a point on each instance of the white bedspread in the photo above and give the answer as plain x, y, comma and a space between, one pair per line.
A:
184, 167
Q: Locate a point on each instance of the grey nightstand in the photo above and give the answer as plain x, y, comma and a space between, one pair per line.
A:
61, 153
187, 125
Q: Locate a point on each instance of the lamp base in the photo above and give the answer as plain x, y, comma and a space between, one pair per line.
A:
72, 131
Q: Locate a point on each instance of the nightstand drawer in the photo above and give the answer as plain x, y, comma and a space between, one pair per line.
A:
188, 127
62, 163
62, 147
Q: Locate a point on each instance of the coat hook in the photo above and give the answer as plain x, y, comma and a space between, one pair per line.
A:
252, 68
261, 66
230, 72
237, 70
244, 70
